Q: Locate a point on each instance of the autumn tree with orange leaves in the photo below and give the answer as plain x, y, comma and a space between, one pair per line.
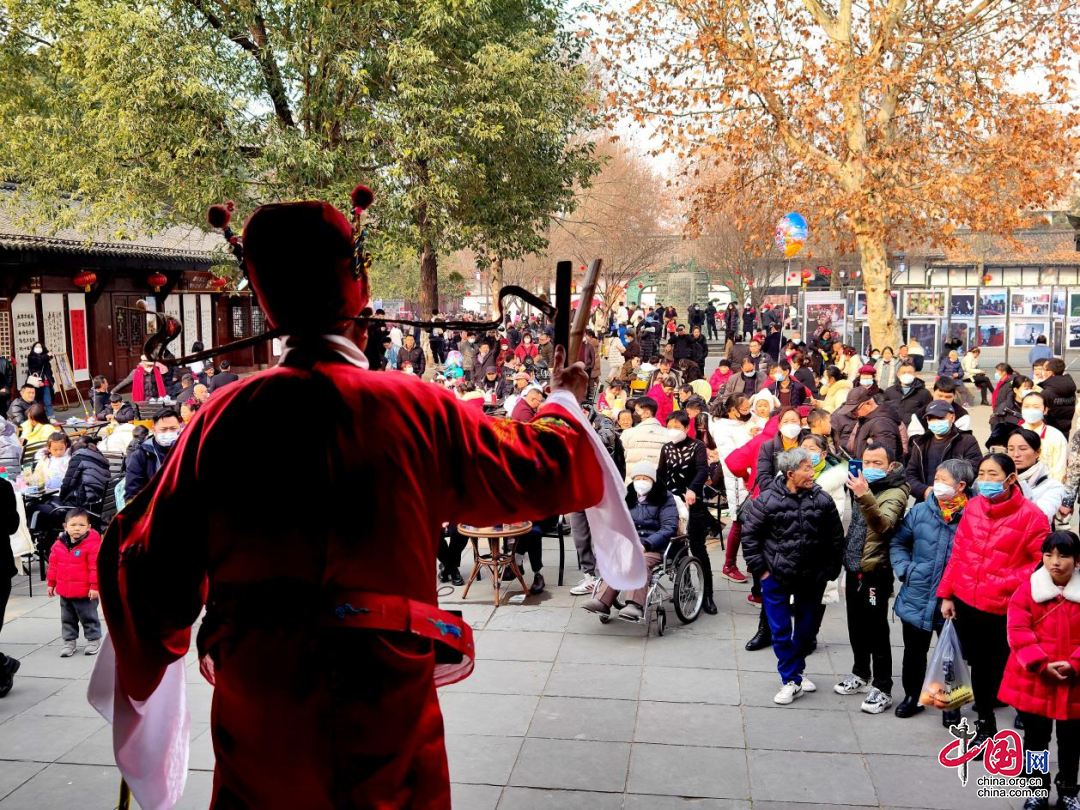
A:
887, 123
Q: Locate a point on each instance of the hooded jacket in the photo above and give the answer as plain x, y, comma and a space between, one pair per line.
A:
73, 566
1043, 626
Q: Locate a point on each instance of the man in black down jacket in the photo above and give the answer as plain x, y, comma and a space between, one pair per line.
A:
1059, 391
877, 423
793, 541
146, 459
909, 394
941, 442
681, 344
86, 478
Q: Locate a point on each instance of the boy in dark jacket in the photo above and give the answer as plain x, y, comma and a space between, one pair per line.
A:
1059, 391
792, 539
880, 496
909, 394
73, 575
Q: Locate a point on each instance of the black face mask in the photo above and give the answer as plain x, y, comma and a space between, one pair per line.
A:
745, 417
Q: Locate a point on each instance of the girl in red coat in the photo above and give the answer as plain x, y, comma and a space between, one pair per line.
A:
1041, 676
73, 575
998, 542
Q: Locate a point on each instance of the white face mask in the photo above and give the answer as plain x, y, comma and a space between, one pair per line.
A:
907, 379
1033, 416
875, 357
943, 491
37, 350
167, 439
790, 431
675, 435
778, 377
643, 486
866, 382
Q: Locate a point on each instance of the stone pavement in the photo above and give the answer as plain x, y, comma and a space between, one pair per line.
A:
561, 712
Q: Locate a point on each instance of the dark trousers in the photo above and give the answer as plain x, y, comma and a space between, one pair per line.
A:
986, 649
868, 627
916, 646
711, 324
579, 528
532, 544
1037, 738
695, 531
5, 592
450, 548
74, 611
793, 624
438, 349
986, 389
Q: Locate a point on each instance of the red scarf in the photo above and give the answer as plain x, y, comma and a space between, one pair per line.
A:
138, 392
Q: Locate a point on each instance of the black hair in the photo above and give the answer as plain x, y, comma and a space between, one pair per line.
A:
1067, 544
1041, 339
197, 346
1036, 394
643, 403
86, 442
1003, 461
1005, 369
165, 414
889, 453
225, 365
116, 398
140, 432
1055, 365
696, 401
1018, 380
27, 385
725, 362
945, 385
37, 413
100, 380
682, 417
732, 402
1029, 436
187, 380
59, 436
616, 384
835, 373
76, 513
816, 415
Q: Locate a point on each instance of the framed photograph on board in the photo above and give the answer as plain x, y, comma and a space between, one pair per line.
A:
828, 314
1028, 333
992, 305
991, 333
1074, 333
924, 304
861, 309
1030, 303
1058, 304
927, 336
964, 331
962, 304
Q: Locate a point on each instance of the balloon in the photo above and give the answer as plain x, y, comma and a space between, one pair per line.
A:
790, 234
453, 359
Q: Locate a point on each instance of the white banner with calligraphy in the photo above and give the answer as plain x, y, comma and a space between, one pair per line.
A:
191, 321
54, 326
25, 326
206, 304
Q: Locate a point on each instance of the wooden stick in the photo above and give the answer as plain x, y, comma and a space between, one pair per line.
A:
577, 331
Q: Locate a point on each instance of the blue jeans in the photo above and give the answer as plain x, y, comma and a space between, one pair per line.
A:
793, 624
44, 396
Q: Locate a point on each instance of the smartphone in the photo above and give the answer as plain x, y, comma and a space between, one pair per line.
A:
854, 467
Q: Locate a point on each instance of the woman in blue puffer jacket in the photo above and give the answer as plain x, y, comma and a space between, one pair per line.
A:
919, 552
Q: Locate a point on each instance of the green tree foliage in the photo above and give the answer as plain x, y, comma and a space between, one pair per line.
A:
459, 113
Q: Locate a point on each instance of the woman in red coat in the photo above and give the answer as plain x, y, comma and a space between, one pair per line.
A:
998, 542
1041, 676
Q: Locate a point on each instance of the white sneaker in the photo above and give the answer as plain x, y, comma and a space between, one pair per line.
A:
808, 685
851, 685
588, 582
876, 702
787, 694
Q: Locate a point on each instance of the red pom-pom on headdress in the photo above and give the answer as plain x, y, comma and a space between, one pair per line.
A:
220, 215
362, 197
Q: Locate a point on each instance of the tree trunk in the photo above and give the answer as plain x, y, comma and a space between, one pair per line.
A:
495, 283
884, 327
429, 294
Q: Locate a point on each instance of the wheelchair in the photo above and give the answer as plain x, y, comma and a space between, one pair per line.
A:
683, 573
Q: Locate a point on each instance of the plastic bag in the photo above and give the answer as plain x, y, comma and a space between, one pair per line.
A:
947, 684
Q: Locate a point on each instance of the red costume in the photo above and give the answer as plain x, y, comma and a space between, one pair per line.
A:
319, 576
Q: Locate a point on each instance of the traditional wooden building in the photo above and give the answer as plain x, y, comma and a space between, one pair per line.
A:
82, 295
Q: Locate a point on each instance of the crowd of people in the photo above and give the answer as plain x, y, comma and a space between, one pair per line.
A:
837, 471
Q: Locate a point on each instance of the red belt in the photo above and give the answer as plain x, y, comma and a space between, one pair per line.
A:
382, 611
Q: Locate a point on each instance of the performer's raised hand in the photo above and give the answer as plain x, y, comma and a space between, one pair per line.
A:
573, 378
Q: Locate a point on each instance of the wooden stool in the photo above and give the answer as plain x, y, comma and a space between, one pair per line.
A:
495, 561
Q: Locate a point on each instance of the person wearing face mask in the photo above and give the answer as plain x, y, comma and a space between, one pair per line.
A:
867, 378
886, 367
879, 499
1003, 374
39, 366
469, 348
875, 422
942, 441
1007, 405
997, 544
784, 387
1059, 391
729, 427
835, 387
413, 355
683, 471
748, 381
786, 438
656, 519
151, 454
1025, 449
545, 351
1055, 450
145, 379
1040, 351
643, 441
919, 551
792, 541
909, 394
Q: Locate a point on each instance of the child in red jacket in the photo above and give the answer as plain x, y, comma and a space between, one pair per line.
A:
73, 575
1042, 677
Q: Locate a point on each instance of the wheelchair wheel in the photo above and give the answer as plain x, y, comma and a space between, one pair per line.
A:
661, 621
689, 591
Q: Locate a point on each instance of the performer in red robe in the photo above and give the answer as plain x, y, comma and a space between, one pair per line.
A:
314, 552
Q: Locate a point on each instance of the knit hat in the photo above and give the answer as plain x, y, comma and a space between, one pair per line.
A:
868, 370
645, 468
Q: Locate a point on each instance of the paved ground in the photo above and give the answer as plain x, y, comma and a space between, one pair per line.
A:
561, 712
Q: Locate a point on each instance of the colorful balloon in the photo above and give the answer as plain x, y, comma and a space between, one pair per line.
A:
790, 234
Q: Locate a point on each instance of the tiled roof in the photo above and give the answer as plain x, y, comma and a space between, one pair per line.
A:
175, 244
1035, 247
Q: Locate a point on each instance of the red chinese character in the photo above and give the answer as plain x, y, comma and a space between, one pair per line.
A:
1004, 754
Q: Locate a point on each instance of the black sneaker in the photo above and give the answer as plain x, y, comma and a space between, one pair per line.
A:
985, 729
455, 577
444, 575
7, 676
538, 583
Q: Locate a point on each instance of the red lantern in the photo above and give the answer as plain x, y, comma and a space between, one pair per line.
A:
987, 278
157, 281
468, 293
218, 283
85, 279
806, 274
641, 286
825, 271
750, 284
